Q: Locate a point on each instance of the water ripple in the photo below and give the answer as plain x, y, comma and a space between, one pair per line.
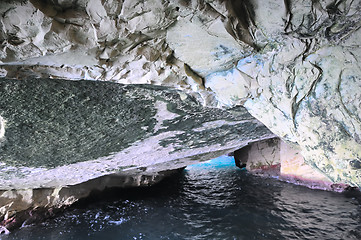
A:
209, 202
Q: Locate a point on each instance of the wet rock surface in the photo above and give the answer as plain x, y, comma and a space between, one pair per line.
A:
273, 158
22, 207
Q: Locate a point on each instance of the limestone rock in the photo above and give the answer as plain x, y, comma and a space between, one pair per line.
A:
275, 158
264, 155
21, 207
295, 65
61, 140
293, 168
61, 132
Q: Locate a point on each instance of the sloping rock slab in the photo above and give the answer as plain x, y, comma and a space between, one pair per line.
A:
59, 132
60, 140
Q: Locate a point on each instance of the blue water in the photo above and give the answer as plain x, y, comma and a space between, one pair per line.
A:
213, 200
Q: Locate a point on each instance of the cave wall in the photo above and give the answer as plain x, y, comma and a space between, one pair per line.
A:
294, 65
273, 158
62, 140
60, 132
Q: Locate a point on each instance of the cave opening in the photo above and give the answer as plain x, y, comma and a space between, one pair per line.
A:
210, 200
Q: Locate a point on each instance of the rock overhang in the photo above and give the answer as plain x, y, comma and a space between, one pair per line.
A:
61, 132
294, 64
189, 67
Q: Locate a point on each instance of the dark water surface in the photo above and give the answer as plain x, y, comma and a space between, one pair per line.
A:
215, 200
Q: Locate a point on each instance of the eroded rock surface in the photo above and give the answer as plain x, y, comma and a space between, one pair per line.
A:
275, 158
62, 139
295, 65
60, 132
21, 207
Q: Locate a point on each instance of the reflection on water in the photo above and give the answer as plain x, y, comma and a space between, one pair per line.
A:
214, 200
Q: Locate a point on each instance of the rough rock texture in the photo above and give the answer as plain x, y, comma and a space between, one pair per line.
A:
293, 167
22, 207
264, 155
275, 158
295, 65
63, 139
60, 132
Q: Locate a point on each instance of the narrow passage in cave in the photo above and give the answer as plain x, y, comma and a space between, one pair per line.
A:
210, 200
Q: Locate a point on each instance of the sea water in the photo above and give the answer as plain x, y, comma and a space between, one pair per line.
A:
212, 200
